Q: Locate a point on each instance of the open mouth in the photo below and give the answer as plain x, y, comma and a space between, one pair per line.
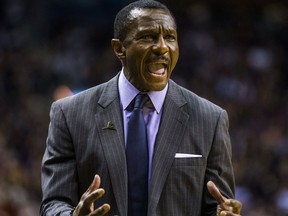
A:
157, 69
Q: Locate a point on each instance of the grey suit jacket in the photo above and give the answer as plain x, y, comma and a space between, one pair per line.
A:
79, 145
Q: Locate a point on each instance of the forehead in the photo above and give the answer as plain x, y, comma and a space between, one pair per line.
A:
152, 17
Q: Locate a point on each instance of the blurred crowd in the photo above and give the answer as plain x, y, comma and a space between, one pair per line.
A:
234, 53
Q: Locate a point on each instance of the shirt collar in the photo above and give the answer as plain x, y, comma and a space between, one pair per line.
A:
128, 92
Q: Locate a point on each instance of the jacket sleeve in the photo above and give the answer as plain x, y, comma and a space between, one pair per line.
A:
58, 172
219, 165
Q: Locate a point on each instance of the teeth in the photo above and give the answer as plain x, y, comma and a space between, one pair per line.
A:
157, 68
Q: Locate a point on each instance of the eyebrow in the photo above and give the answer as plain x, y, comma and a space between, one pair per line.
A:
144, 29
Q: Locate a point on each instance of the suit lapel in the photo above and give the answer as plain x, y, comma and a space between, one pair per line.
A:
170, 134
110, 129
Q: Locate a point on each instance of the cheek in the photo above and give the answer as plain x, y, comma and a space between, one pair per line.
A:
133, 56
138, 61
131, 60
175, 56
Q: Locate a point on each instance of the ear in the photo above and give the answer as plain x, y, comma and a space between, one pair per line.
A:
118, 48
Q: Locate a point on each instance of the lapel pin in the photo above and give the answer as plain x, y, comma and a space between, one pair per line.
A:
109, 126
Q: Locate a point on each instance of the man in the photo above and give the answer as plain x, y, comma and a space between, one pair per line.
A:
188, 138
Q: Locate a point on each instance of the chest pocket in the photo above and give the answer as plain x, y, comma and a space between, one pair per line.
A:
194, 161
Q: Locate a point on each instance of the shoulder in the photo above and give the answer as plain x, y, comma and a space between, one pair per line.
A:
81, 98
89, 96
192, 100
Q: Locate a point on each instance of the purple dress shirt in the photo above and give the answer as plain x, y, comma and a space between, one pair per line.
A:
152, 112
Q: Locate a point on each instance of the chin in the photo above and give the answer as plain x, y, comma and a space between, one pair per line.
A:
157, 87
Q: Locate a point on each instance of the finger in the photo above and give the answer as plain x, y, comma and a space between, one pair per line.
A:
89, 199
91, 194
226, 213
235, 205
214, 191
101, 210
95, 183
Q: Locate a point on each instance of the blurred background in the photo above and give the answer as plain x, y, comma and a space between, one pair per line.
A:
234, 53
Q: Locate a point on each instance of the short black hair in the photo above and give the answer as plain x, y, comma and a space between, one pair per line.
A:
122, 21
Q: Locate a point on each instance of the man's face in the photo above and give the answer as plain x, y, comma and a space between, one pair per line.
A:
150, 49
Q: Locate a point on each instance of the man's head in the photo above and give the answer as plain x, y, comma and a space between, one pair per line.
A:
145, 40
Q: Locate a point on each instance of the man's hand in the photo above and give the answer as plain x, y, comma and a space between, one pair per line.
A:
86, 205
226, 207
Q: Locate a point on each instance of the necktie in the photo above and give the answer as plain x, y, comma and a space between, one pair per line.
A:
137, 159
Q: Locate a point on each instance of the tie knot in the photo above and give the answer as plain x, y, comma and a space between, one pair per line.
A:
140, 100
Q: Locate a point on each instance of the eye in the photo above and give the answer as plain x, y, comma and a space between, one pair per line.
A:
146, 37
170, 38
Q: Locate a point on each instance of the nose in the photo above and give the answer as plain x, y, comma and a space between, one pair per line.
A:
160, 47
